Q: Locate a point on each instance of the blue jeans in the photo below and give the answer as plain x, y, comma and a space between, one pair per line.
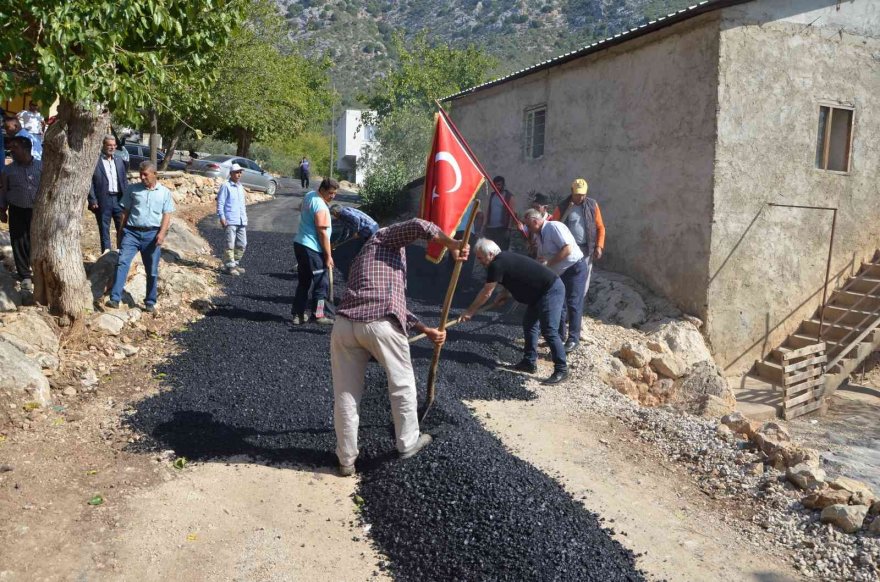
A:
544, 315
104, 216
133, 242
575, 280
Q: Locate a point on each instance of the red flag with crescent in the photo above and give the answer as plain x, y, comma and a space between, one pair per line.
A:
452, 180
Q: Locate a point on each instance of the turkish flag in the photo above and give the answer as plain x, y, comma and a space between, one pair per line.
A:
452, 180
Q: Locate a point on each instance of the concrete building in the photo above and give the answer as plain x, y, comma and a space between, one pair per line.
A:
686, 128
352, 138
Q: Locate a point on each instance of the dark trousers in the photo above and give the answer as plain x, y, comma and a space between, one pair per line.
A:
104, 216
134, 242
312, 276
20, 236
574, 279
500, 235
544, 315
304, 181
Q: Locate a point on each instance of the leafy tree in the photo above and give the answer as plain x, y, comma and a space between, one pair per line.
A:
264, 87
95, 56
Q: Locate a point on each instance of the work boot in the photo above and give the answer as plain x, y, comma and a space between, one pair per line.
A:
526, 366
557, 377
27, 284
299, 319
346, 470
424, 440
149, 308
570, 346
239, 268
112, 304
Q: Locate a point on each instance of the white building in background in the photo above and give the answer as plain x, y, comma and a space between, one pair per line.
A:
352, 138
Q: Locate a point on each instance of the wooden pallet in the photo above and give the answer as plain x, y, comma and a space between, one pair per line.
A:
803, 380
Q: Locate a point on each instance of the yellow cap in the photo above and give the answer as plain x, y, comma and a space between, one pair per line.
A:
579, 186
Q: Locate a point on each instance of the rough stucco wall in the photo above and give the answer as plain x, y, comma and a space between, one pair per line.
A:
778, 61
638, 121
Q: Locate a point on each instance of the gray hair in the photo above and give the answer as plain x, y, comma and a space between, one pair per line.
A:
109, 137
146, 166
532, 213
487, 246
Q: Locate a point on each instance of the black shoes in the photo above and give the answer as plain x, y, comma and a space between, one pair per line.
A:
112, 304
571, 346
149, 308
557, 377
526, 366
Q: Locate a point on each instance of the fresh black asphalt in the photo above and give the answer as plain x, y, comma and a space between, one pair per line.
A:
248, 383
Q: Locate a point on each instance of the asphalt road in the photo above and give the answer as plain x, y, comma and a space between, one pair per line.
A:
248, 383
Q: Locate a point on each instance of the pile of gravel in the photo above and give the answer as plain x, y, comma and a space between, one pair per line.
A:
247, 383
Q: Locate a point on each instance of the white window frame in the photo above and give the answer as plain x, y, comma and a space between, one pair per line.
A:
832, 106
529, 132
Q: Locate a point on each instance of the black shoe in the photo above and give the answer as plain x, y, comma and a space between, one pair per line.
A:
112, 304
150, 308
571, 346
557, 377
526, 366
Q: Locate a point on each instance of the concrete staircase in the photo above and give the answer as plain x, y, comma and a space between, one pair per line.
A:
850, 330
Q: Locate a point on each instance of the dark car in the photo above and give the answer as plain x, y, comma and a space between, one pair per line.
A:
138, 153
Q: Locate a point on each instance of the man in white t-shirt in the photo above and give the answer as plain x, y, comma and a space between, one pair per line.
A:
32, 120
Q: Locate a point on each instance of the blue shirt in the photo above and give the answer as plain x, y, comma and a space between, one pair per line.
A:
552, 238
231, 203
308, 232
145, 206
36, 146
358, 222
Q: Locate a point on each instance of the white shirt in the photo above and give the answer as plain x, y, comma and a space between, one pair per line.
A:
110, 170
33, 122
555, 236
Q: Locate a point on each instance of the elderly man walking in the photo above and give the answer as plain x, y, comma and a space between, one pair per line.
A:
533, 284
12, 127
19, 185
146, 216
232, 211
555, 247
584, 219
372, 320
314, 257
109, 182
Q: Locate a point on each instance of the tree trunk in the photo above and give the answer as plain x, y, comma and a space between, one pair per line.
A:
154, 136
70, 150
172, 145
244, 142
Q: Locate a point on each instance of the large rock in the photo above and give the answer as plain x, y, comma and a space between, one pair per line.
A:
669, 365
21, 379
738, 423
184, 240
635, 355
789, 455
861, 493
10, 297
683, 339
30, 333
875, 527
712, 406
702, 379
136, 288
806, 476
826, 497
101, 274
612, 300
184, 282
849, 518
107, 323
771, 437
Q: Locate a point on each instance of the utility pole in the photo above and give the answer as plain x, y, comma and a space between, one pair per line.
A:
332, 129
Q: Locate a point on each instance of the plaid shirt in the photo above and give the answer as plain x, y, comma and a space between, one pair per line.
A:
377, 280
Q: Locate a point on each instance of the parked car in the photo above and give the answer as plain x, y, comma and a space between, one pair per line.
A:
253, 176
138, 153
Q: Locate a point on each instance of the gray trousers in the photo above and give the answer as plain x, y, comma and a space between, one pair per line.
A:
236, 241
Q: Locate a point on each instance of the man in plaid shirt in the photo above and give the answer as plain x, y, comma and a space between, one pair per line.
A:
372, 320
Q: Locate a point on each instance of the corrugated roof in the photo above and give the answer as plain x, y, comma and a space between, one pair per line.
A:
647, 28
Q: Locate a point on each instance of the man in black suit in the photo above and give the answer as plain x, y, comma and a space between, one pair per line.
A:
108, 185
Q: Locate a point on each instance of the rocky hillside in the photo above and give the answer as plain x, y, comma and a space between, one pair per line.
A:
357, 35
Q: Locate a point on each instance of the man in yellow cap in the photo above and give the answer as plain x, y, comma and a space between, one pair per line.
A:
584, 219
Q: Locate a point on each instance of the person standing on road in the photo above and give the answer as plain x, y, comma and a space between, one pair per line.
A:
556, 247
373, 321
314, 257
232, 210
497, 225
13, 128
146, 216
533, 284
304, 180
19, 185
584, 219
109, 182
32, 121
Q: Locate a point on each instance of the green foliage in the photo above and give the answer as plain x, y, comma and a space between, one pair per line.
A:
99, 53
382, 193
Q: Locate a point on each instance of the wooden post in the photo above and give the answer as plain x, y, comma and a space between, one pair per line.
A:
444, 314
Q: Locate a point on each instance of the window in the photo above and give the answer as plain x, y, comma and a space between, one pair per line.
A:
835, 138
535, 122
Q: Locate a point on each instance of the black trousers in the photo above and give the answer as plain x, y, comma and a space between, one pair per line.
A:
20, 235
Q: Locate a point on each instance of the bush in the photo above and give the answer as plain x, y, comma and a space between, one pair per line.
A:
382, 193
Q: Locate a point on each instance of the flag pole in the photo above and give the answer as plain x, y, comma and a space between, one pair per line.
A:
479, 165
444, 314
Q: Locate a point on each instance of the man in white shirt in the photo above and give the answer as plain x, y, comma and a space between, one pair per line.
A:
556, 247
32, 120
109, 182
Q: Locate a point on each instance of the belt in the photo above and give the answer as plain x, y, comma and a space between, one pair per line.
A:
143, 228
